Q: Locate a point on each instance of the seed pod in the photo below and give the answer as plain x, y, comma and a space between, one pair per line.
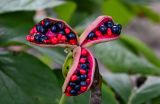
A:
77, 77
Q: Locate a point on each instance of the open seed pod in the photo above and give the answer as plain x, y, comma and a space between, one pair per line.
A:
101, 30
80, 76
52, 32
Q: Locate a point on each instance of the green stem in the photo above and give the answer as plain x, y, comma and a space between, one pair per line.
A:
63, 99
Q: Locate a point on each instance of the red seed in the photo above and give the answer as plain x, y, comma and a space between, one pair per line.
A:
98, 33
28, 38
69, 88
32, 38
109, 32
46, 41
83, 88
74, 78
84, 52
82, 60
54, 40
82, 71
63, 38
42, 22
88, 81
73, 42
67, 30
33, 30
68, 94
59, 37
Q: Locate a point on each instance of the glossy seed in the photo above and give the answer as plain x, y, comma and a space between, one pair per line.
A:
116, 29
83, 77
83, 88
91, 35
67, 30
62, 32
83, 83
73, 92
42, 38
40, 28
71, 36
84, 66
72, 84
82, 60
83, 52
60, 25
74, 78
77, 87
54, 28
47, 23
54, 40
109, 24
82, 71
37, 37
103, 29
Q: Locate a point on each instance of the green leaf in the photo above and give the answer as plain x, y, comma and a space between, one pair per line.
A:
119, 59
27, 5
142, 48
108, 96
121, 83
148, 91
65, 10
117, 10
26, 80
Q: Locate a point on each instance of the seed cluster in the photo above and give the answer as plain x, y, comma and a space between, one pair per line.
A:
80, 80
105, 29
52, 32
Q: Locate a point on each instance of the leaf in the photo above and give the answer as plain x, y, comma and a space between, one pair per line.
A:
27, 5
148, 91
108, 96
121, 83
65, 10
117, 10
26, 80
119, 59
142, 48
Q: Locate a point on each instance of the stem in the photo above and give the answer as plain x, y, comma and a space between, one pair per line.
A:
63, 99
96, 94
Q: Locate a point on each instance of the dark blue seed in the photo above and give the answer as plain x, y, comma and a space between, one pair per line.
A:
42, 38
91, 35
77, 87
72, 84
83, 83
83, 77
47, 23
109, 24
71, 36
37, 37
40, 29
54, 28
84, 66
62, 32
116, 29
60, 25
103, 29
73, 92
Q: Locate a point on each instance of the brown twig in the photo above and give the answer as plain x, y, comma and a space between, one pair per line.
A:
96, 94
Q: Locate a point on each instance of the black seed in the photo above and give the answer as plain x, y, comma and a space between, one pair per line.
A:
77, 87
78, 79
62, 32
73, 92
40, 28
103, 29
37, 37
42, 38
84, 66
72, 84
116, 29
91, 35
54, 28
60, 25
83, 83
109, 24
47, 23
83, 77
71, 36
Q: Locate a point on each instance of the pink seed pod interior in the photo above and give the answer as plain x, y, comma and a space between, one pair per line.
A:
101, 30
52, 32
80, 76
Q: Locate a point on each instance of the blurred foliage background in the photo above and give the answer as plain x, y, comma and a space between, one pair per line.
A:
130, 66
